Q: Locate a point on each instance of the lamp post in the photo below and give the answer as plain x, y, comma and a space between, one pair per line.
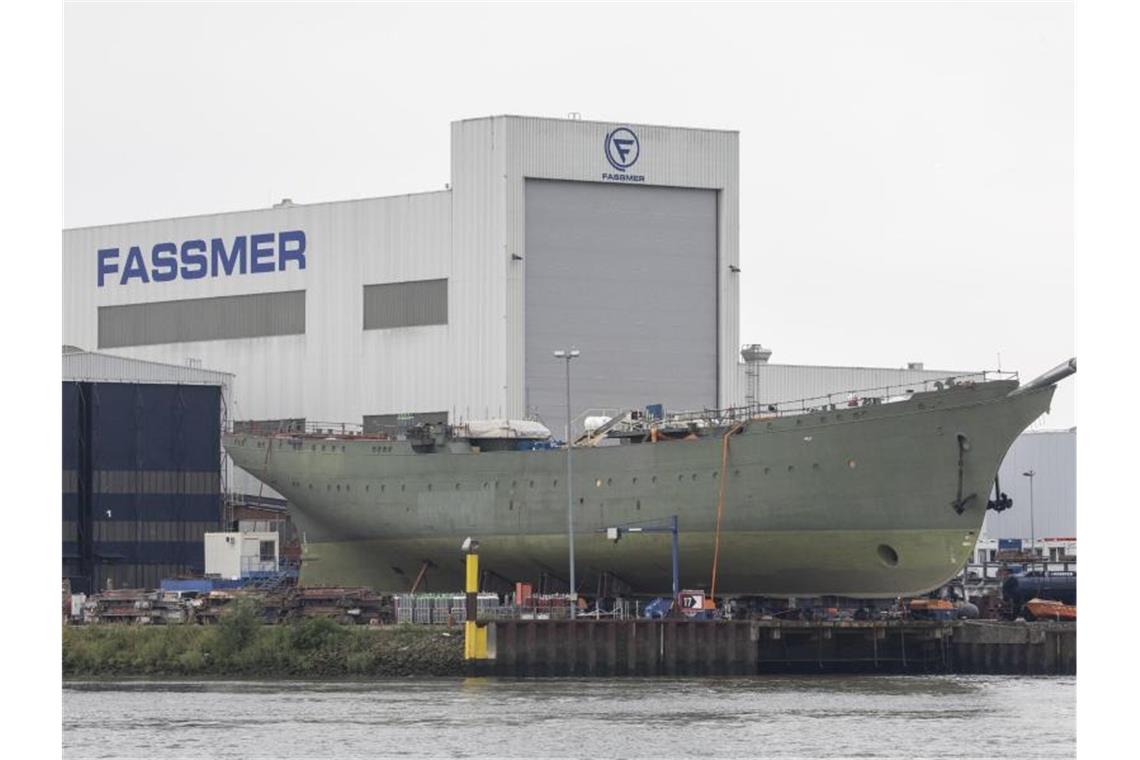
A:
648, 526
567, 355
1032, 531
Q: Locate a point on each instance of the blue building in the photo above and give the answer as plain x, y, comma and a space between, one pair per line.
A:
143, 474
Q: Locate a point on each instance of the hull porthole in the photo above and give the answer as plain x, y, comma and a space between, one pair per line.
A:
888, 555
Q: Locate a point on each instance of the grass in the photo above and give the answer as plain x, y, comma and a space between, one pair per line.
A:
240, 645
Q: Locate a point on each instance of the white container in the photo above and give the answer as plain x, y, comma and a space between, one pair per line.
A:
236, 555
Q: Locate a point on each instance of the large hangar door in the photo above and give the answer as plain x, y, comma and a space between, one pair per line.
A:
629, 276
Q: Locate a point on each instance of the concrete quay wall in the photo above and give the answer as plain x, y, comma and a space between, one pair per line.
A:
681, 647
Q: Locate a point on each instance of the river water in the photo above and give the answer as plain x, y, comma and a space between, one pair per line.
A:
774, 716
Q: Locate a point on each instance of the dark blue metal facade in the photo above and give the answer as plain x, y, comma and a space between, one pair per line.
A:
141, 481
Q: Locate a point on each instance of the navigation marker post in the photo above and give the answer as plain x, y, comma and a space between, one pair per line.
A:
474, 635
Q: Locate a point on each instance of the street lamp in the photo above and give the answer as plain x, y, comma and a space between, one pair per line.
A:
647, 526
1032, 530
567, 355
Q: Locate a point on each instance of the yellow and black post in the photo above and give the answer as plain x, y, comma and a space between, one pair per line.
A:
474, 635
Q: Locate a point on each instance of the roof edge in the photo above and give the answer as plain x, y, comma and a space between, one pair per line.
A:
252, 210
596, 121
69, 350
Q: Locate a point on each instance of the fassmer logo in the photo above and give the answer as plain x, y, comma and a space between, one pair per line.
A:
622, 151
622, 148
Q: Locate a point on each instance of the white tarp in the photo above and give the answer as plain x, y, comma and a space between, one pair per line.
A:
506, 429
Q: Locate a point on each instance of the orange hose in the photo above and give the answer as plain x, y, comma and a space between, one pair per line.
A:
720, 504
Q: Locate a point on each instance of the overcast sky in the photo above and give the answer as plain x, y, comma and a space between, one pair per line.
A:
906, 170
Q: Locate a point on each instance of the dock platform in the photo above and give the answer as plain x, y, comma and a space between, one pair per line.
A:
683, 647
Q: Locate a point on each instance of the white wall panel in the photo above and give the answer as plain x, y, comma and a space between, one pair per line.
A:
480, 268
323, 374
1052, 457
85, 366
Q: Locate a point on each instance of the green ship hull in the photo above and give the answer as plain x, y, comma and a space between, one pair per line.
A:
870, 501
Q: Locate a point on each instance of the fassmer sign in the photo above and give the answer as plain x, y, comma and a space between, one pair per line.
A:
622, 149
197, 259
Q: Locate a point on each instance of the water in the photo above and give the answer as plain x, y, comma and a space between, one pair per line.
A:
778, 717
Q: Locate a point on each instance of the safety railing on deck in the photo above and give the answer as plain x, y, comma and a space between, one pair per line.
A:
704, 418
305, 428
834, 401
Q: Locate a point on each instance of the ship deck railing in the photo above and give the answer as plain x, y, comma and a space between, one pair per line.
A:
704, 418
306, 429
835, 401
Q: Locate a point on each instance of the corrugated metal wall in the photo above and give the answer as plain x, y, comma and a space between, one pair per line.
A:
91, 367
86, 366
333, 371
1052, 456
76, 505
142, 480
628, 275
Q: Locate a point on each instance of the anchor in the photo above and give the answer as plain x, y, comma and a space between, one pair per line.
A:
1002, 502
960, 504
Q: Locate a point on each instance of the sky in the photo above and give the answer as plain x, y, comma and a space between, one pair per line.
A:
906, 170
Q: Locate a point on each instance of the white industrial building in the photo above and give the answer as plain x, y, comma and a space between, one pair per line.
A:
619, 240
1050, 510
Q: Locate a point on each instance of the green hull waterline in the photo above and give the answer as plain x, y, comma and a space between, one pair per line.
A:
853, 502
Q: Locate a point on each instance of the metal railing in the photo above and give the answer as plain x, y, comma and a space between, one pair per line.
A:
253, 565
834, 401
305, 429
979, 572
725, 417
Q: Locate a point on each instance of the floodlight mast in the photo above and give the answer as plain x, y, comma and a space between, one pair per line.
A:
566, 355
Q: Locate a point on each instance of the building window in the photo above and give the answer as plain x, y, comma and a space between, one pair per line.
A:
405, 304
201, 319
268, 551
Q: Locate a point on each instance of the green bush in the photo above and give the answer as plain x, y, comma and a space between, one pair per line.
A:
241, 645
314, 634
191, 662
237, 627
